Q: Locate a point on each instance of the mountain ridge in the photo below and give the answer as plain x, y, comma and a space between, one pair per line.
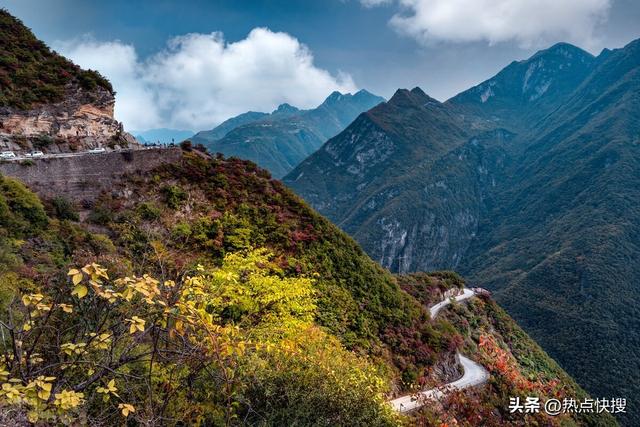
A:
280, 140
497, 184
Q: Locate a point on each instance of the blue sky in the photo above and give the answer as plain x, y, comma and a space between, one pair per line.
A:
220, 65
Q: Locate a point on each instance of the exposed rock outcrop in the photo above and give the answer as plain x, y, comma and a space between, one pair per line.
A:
47, 102
83, 120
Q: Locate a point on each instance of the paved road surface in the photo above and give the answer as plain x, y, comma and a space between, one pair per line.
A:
474, 374
466, 294
80, 153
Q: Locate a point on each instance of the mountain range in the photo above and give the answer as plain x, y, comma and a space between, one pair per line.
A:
280, 140
526, 183
166, 285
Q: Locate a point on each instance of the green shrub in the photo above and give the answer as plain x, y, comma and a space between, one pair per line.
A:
181, 232
20, 210
101, 215
149, 211
64, 209
101, 244
174, 196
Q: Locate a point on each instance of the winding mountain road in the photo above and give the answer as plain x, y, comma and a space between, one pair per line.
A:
474, 374
466, 294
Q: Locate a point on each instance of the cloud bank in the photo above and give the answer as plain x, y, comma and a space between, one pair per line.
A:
529, 23
199, 80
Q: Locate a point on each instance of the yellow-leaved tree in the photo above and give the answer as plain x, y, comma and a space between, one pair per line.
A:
221, 346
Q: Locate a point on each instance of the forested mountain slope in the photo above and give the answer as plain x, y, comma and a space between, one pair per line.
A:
366, 334
280, 140
527, 185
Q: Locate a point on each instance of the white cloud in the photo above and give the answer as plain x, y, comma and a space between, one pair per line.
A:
135, 98
526, 22
199, 80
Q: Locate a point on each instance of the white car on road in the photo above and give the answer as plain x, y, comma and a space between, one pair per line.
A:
97, 150
35, 154
7, 155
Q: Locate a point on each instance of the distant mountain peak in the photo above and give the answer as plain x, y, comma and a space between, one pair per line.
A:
399, 96
564, 49
632, 45
417, 91
364, 92
286, 108
521, 87
415, 96
280, 140
361, 97
335, 96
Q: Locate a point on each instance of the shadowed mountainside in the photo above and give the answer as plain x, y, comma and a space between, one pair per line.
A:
527, 183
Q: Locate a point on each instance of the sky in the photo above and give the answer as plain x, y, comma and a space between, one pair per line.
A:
193, 64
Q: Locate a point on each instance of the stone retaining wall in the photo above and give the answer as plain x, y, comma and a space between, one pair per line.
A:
83, 178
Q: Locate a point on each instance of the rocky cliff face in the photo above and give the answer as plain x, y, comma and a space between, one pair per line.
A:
78, 122
48, 103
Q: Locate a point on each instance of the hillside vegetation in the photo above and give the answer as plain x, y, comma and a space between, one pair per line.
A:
304, 330
526, 183
32, 74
